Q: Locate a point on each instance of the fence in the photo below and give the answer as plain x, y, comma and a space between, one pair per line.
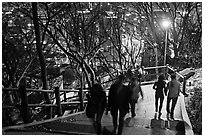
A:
150, 75
24, 105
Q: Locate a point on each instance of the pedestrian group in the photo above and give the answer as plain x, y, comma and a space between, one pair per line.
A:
123, 97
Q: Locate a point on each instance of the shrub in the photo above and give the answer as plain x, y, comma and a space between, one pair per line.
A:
194, 110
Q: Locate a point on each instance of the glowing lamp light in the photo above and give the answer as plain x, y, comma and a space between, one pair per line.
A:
165, 24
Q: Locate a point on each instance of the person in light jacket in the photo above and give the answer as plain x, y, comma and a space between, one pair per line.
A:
173, 89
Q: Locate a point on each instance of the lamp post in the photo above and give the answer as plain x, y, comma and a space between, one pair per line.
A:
165, 48
165, 25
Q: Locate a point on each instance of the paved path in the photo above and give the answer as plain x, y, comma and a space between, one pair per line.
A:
145, 122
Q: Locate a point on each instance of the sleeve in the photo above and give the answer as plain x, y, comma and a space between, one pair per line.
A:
110, 96
104, 101
179, 88
164, 85
154, 87
141, 92
166, 89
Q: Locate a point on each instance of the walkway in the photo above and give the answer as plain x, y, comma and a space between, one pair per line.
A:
143, 124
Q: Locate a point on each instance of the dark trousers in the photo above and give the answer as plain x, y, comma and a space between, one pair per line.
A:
122, 113
97, 119
160, 105
174, 101
132, 105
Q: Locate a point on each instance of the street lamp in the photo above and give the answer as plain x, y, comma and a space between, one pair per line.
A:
165, 25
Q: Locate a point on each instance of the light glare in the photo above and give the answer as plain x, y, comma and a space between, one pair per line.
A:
165, 24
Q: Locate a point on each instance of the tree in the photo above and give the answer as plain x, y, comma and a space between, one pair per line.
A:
180, 14
79, 38
17, 52
41, 57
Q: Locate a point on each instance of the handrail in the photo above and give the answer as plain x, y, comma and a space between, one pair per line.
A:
43, 90
46, 91
157, 67
175, 71
25, 105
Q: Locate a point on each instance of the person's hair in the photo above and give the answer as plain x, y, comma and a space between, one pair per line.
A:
161, 77
97, 87
121, 77
133, 80
173, 76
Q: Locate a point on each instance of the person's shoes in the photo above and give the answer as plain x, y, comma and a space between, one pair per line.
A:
155, 115
133, 115
172, 116
114, 131
105, 131
159, 117
119, 133
172, 119
168, 115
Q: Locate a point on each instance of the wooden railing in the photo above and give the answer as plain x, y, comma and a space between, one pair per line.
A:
150, 78
60, 99
167, 70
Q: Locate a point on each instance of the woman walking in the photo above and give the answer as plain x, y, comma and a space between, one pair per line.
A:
136, 91
159, 86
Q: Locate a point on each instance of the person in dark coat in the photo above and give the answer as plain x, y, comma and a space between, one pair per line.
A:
97, 103
129, 74
159, 86
118, 101
136, 91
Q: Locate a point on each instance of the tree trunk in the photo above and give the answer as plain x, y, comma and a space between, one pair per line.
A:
41, 57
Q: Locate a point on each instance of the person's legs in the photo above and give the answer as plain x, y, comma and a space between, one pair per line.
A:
114, 113
160, 106
156, 104
168, 104
161, 103
98, 121
167, 107
174, 101
121, 121
132, 104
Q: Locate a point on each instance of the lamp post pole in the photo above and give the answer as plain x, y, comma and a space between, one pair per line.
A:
165, 48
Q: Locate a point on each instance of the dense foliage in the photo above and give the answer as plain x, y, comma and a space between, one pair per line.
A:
194, 110
194, 101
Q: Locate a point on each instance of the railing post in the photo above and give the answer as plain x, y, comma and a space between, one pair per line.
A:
65, 96
81, 99
167, 65
58, 102
184, 86
24, 101
80, 93
166, 74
